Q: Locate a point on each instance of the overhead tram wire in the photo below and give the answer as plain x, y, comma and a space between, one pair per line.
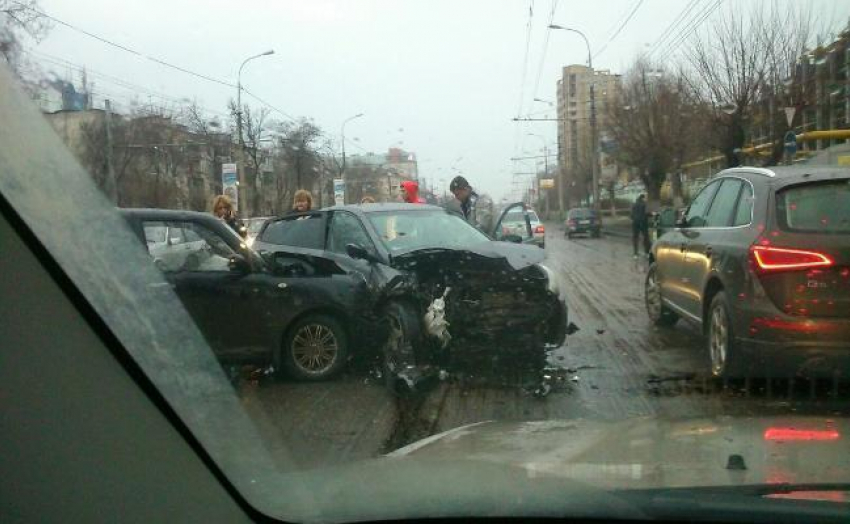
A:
707, 12
103, 77
620, 29
521, 102
524, 126
156, 60
668, 31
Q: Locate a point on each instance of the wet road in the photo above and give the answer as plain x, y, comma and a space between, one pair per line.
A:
616, 366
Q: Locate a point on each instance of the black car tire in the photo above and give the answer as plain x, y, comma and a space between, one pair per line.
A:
659, 314
314, 348
403, 335
597, 233
570, 236
723, 355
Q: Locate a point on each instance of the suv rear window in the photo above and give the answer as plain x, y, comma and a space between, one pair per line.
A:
822, 207
582, 213
303, 232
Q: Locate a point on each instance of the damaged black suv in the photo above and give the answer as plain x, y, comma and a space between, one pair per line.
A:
431, 289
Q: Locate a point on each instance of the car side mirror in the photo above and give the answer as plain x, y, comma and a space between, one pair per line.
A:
358, 252
239, 264
516, 239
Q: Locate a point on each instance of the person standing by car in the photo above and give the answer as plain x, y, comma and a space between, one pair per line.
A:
640, 225
476, 210
410, 192
301, 202
223, 209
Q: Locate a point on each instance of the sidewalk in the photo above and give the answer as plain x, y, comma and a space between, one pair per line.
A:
620, 226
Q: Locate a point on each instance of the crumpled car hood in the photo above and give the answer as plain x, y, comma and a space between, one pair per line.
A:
496, 255
655, 453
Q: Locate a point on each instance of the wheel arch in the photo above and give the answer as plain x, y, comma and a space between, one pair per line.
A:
713, 286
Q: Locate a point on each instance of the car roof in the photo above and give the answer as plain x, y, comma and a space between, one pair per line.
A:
384, 207
786, 175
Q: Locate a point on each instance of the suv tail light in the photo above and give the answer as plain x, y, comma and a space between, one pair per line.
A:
571, 222
540, 229
769, 258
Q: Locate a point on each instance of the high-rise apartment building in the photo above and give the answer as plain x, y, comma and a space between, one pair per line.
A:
574, 127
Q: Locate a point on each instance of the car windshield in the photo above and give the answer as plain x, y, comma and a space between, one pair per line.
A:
412, 230
815, 208
339, 261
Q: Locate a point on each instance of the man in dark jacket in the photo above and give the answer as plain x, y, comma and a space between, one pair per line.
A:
477, 210
640, 225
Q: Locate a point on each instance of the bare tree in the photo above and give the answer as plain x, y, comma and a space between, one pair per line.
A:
254, 132
147, 158
208, 132
298, 162
741, 60
652, 124
20, 19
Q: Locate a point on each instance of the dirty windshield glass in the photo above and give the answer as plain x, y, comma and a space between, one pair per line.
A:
293, 207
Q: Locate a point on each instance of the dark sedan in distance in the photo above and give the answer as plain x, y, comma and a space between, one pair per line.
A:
582, 221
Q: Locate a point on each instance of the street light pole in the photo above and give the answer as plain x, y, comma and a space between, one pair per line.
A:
545, 169
342, 133
594, 138
240, 152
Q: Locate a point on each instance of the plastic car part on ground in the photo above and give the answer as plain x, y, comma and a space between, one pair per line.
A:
435, 320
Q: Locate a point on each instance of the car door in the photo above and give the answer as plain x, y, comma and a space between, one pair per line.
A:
524, 229
705, 244
670, 249
345, 228
198, 268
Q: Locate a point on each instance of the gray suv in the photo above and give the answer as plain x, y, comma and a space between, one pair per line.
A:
761, 261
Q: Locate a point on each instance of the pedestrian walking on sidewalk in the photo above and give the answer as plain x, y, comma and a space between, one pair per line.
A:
640, 225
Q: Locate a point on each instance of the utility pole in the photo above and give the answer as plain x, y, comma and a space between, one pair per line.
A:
111, 185
240, 152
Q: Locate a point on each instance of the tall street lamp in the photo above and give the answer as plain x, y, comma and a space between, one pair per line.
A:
545, 167
594, 138
240, 173
342, 133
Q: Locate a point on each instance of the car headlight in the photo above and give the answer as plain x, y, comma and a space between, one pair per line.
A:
553, 281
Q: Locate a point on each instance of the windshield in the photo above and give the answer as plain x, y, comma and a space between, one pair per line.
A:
519, 216
273, 233
411, 230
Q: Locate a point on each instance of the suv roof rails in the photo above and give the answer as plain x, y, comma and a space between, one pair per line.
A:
745, 169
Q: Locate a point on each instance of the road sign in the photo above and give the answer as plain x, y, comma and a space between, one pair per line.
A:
789, 114
230, 184
547, 183
339, 191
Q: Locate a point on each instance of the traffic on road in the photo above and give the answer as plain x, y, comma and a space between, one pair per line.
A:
341, 261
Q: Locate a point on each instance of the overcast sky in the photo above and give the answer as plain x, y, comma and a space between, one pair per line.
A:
441, 78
